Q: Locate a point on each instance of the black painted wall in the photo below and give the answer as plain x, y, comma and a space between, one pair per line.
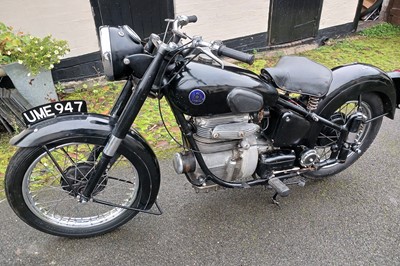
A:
147, 16
143, 16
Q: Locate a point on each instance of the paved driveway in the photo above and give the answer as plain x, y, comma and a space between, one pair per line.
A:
350, 219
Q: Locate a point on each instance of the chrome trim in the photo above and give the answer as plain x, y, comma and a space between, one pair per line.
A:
112, 145
106, 55
132, 33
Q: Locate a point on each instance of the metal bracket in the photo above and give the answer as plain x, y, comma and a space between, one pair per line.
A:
275, 201
377, 117
157, 212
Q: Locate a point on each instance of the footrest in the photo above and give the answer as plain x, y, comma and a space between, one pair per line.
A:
279, 186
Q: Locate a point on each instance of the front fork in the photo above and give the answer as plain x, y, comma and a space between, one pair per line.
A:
124, 122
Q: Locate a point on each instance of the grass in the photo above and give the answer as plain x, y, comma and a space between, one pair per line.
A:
382, 30
101, 98
381, 52
378, 46
6, 152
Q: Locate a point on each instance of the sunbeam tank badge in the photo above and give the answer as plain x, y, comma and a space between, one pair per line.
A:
197, 97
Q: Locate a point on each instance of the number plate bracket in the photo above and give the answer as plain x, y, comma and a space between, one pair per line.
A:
51, 110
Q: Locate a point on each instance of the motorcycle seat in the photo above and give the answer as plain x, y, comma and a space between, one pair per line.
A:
300, 75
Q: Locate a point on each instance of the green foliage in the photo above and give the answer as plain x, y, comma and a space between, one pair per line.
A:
35, 53
381, 30
100, 99
6, 151
381, 52
260, 63
59, 88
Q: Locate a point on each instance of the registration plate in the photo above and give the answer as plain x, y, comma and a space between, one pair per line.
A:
50, 110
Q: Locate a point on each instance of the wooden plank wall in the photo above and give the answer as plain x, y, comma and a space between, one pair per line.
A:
394, 12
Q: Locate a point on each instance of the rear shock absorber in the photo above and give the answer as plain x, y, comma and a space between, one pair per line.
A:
312, 103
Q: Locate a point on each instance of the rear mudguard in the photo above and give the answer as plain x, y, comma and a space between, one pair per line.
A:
78, 127
358, 78
353, 80
395, 76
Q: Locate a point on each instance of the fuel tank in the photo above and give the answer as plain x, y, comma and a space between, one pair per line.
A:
202, 89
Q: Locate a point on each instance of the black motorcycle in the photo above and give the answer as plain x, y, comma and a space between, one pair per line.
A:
78, 174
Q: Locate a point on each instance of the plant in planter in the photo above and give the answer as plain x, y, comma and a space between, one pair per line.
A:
27, 60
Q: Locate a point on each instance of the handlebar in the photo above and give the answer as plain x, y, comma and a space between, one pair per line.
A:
181, 21
192, 19
197, 41
235, 54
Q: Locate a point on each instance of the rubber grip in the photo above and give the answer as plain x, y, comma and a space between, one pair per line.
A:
279, 187
235, 54
192, 19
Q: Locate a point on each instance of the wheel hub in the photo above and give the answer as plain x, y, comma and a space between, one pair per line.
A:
77, 176
332, 134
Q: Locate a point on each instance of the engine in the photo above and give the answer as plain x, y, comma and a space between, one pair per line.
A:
230, 146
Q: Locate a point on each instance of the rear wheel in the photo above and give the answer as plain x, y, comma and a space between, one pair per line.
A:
339, 112
43, 186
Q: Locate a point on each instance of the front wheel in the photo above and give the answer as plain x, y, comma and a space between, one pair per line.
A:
339, 112
42, 187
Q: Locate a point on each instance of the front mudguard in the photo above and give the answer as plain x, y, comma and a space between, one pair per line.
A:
348, 82
71, 128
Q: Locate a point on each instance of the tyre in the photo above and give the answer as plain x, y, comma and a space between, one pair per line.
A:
338, 111
42, 187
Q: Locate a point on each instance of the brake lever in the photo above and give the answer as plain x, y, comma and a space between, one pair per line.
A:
208, 52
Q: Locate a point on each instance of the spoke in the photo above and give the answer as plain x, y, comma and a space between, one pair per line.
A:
332, 138
47, 168
50, 188
327, 137
119, 179
50, 206
52, 192
58, 168
341, 116
72, 161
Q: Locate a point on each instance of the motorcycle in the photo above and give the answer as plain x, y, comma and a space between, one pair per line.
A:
79, 174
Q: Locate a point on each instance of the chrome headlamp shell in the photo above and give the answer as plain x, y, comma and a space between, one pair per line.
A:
116, 43
105, 46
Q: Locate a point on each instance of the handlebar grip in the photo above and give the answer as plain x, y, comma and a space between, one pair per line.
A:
235, 54
192, 19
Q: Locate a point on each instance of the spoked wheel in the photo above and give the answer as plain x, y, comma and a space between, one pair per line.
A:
371, 106
42, 187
